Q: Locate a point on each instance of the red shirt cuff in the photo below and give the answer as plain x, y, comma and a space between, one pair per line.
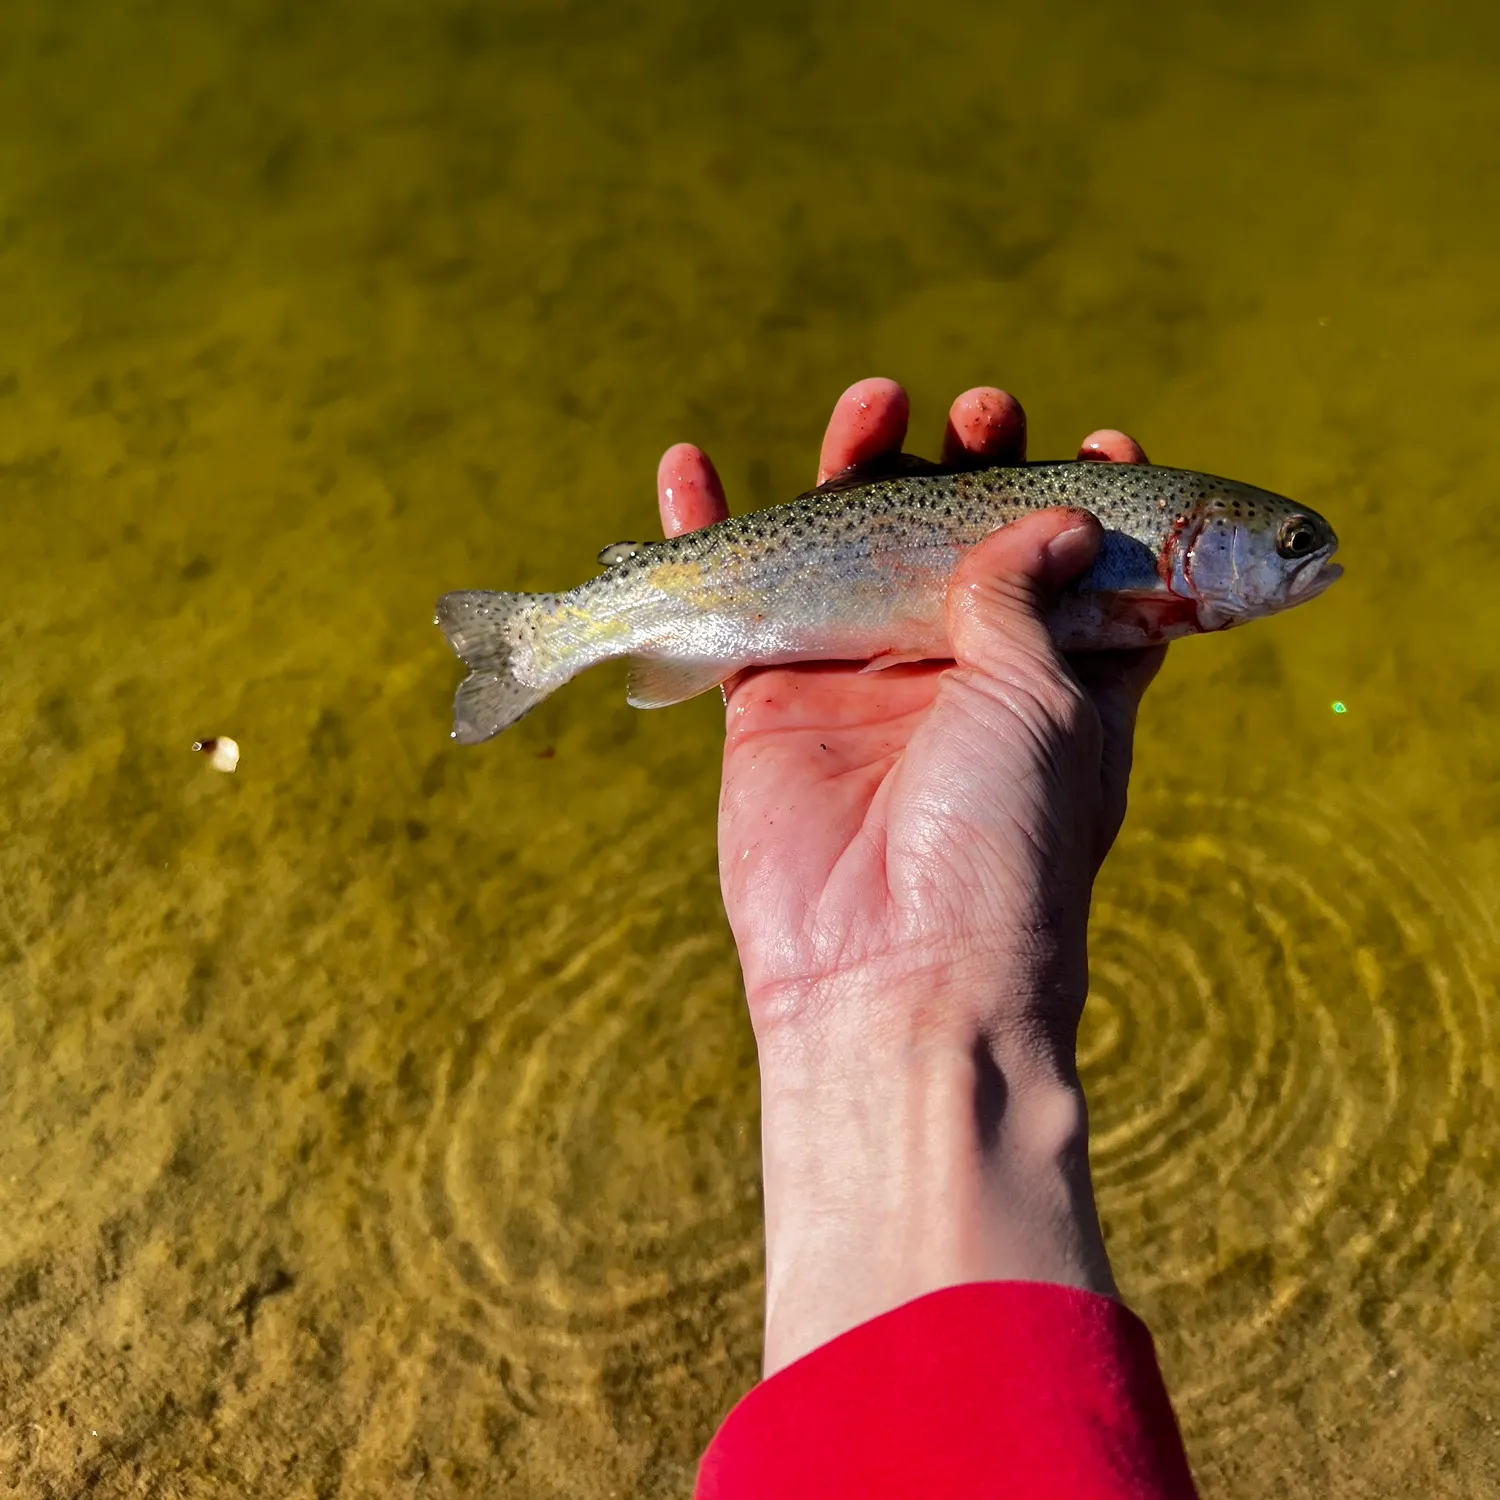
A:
995, 1389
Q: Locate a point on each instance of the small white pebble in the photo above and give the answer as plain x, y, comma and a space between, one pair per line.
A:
223, 753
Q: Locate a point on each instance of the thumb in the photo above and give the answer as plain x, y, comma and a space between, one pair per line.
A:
1002, 589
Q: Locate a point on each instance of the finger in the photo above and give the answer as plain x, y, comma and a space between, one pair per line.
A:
1116, 681
868, 421
985, 425
1112, 447
1002, 589
689, 493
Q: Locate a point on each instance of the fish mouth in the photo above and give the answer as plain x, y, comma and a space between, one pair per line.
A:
1313, 577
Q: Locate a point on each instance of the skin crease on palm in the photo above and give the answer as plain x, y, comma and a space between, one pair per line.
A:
906, 859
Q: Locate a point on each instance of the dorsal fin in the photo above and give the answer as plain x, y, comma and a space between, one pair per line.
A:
887, 466
617, 552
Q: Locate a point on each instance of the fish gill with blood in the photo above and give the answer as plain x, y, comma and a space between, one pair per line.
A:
858, 570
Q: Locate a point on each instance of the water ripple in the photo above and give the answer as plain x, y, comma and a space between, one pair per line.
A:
1288, 1050
586, 1195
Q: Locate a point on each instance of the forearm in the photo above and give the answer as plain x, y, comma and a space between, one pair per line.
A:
897, 1165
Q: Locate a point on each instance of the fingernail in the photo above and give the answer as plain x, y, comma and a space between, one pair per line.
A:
1069, 552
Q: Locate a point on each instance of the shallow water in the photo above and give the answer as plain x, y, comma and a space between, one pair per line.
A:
381, 1119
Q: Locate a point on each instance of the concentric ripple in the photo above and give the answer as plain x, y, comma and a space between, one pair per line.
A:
1288, 1040
587, 1186
1287, 1046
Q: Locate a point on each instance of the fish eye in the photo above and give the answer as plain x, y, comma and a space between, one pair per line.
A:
1298, 536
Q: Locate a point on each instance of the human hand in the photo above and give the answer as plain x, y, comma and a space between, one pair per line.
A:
906, 858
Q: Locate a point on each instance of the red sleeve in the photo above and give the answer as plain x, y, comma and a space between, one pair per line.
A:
997, 1389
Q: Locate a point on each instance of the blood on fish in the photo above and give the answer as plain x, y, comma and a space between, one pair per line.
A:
1155, 617
1166, 565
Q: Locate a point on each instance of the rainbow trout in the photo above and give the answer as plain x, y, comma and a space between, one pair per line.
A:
858, 569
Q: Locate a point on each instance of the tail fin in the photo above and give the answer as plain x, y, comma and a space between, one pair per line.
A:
483, 628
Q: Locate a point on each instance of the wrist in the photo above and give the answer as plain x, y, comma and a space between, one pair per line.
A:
904, 1158
1024, 998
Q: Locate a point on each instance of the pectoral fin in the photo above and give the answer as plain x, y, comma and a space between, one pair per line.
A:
895, 659
655, 682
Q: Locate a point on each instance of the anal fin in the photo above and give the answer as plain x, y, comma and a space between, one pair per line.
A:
656, 681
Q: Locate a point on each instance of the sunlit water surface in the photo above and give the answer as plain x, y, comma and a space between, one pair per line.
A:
381, 1119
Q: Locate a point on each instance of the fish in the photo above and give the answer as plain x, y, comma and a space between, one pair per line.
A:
858, 570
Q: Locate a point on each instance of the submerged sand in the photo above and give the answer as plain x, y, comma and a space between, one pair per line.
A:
381, 1119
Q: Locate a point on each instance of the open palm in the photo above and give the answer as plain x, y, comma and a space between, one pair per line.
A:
935, 820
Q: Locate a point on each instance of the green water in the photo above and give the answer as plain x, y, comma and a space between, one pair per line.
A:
381, 1120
